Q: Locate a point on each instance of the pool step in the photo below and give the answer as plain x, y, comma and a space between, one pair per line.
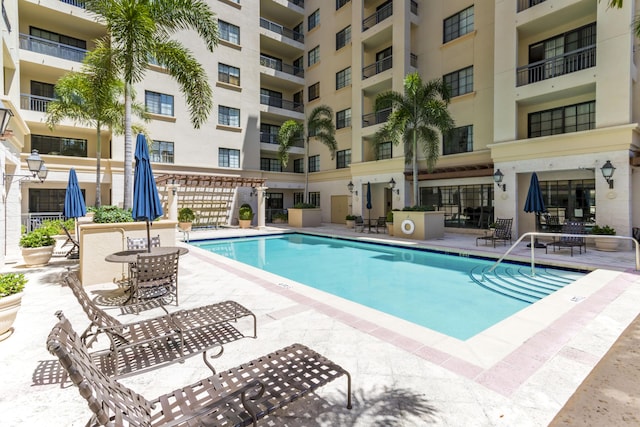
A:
517, 282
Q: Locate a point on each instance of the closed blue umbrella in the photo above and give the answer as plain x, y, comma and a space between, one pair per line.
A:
369, 203
146, 201
74, 206
535, 203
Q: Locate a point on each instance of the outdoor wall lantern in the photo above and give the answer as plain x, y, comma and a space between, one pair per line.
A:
350, 188
36, 167
392, 186
5, 116
607, 172
254, 192
497, 178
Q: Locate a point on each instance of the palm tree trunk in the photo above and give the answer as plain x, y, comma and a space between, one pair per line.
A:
415, 168
306, 171
128, 149
98, 155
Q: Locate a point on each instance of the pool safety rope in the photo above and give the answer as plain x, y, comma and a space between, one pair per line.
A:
408, 226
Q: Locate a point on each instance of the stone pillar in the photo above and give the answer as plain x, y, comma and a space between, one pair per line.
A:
262, 203
172, 202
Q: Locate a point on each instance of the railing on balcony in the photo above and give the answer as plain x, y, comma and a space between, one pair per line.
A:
272, 138
279, 29
298, 3
377, 17
34, 102
377, 67
526, 4
279, 66
47, 47
569, 62
376, 118
414, 7
413, 61
6, 17
274, 101
77, 3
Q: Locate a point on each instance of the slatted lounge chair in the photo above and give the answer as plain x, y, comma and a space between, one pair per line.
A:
134, 243
147, 344
234, 397
74, 252
381, 224
359, 223
155, 277
570, 227
501, 233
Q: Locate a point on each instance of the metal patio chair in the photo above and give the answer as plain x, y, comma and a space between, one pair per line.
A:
501, 232
570, 227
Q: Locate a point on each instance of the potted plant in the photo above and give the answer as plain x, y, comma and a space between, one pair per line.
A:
305, 215
11, 291
604, 244
389, 222
350, 221
54, 229
37, 247
279, 218
245, 215
185, 219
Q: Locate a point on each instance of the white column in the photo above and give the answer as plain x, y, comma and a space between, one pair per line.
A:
262, 203
172, 202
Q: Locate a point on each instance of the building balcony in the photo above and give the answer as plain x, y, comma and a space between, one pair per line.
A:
34, 102
526, 4
414, 7
377, 17
271, 138
279, 66
376, 118
47, 47
273, 101
567, 63
283, 31
77, 3
377, 67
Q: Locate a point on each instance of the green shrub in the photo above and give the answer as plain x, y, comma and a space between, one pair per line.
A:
245, 212
350, 217
11, 283
37, 239
54, 226
280, 215
604, 230
109, 214
418, 208
186, 215
390, 217
304, 206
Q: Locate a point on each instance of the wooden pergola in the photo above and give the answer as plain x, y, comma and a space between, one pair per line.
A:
209, 196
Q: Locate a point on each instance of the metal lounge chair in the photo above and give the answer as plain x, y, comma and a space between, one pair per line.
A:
359, 223
570, 227
381, 224
74, 252
234, 397
155, 277
147, 344
501, 233
134, 243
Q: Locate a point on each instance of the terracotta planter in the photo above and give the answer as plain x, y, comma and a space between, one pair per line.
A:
37, 256
606, 245
244, 223
185, 226
350, 223
8, 311
390, 228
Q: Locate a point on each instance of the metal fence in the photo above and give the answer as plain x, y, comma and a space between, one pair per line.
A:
34, 220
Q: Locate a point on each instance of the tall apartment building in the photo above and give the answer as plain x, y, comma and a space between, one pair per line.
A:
543, 86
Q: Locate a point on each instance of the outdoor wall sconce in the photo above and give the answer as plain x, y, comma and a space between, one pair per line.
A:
36, 167
350, 188
392, 186
5, 116
497, 178
607, 172
254, 192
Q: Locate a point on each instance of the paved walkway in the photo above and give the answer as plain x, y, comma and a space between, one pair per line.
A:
520, 373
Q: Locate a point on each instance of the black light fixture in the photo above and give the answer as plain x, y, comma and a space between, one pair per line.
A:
497, 178
350, 188
5, 116
254, 192
36, 167
392, 186
607, 172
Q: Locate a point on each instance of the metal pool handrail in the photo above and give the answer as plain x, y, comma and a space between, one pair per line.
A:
533, 234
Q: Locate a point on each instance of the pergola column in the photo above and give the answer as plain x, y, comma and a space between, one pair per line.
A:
262, 204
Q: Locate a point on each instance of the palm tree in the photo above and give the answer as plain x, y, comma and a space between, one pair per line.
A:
419, 115
319, 126
91, 97
140, 30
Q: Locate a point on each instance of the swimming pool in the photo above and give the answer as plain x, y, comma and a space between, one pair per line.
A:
431, 289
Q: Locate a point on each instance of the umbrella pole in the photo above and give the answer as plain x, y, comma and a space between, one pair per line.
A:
148, 237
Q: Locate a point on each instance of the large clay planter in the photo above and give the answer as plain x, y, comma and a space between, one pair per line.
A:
244, 223
37, 256
8, 310
350, 223
185, 226
606, 245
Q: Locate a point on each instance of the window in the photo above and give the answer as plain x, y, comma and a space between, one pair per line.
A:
384, 150
340, 3
343, 37
314, 91
269, 133
158, 103
314, 198
459, 140
298, 198
270, 97
56, 145
313, 20
460, 82
313, 55
57, 38
343, 119
229, 32
270, 165
229, 74
161, 152
298, 67
41, 94
571, 118
468, 206
228, 116
228, 158
343, 159
298, 166
458, 25
314, 163
343, 78
48, 199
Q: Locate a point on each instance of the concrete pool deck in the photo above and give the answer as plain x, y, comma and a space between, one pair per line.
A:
519, 373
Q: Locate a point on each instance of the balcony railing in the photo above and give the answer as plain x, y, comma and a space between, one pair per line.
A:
77, 3
272, 138
6, 17
274, 101
279, 29
47, 47
414, 7
377, 17
526, 4
298, 3
413, 61
376, 118
279, 66
569, 62
34, 102
377, 67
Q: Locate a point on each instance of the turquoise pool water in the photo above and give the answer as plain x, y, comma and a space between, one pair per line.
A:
430, 289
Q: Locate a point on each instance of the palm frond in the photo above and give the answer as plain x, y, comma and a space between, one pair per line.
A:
290, 132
